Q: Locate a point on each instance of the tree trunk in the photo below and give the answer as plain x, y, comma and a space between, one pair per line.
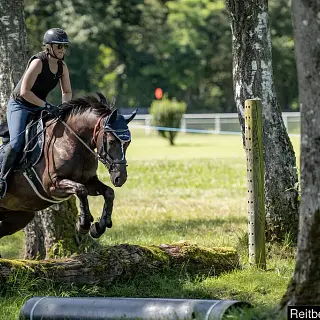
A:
124, 262
253, 78
52, 233
172, 135
13, 49
304, 288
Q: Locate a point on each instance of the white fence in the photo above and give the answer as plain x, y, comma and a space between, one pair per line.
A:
218, 123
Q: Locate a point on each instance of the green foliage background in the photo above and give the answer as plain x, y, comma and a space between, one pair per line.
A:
128, 48
167, 113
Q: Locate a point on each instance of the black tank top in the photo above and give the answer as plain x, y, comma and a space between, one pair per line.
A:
45, 82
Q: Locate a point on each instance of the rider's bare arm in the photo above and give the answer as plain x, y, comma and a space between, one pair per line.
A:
28, 81
65, 84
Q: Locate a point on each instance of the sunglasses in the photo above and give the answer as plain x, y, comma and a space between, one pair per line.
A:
60, 46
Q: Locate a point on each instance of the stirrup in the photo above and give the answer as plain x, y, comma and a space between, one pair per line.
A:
3, 188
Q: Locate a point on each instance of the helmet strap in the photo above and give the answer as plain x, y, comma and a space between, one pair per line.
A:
53, 55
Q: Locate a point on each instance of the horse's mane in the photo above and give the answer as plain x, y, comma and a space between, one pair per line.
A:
81, 105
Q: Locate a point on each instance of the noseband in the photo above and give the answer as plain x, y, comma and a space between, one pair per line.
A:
104, 156
107, 159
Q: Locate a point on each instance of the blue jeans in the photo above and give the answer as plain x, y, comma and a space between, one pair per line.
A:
17, 117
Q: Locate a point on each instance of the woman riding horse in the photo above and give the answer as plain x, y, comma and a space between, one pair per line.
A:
44, 71
86, 130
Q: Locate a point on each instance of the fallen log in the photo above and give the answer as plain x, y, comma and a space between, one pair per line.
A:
122, 262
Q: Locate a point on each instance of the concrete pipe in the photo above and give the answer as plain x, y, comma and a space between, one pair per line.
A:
54, 308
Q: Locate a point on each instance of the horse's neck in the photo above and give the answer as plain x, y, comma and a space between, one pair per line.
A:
82, 125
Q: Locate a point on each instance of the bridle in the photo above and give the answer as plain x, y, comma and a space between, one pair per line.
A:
103, 156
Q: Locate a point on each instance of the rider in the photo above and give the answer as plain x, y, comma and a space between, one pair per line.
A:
44, 70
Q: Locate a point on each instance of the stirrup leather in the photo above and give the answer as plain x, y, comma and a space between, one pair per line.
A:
3, 187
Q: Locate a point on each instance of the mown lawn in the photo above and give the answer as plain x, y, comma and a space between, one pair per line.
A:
195, 191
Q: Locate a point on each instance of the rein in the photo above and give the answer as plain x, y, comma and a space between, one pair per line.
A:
92, 151
107, 161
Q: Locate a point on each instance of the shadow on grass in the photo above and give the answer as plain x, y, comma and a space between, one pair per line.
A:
160, 285
174, 225
179, 144
219, 231
163, 285
11, 247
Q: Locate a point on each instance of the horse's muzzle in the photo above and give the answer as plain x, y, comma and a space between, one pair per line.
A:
118, 177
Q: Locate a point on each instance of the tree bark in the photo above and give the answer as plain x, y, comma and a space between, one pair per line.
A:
122, 262
253, 78
304, 288
52, 233
13, 49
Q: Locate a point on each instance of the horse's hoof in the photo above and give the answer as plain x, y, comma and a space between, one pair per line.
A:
83, 229
95, 230
109, 224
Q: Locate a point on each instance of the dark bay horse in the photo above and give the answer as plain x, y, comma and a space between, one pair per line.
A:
68, 166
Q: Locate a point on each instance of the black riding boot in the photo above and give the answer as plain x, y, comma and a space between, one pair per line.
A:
9, 158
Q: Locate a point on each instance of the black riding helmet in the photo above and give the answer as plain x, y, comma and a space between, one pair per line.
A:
56, 35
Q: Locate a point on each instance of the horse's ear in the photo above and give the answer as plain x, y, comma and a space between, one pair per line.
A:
113, 103
129, 117
113, 116
102, 98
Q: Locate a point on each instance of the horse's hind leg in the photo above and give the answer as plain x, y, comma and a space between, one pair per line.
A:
64, 187
85, 217
13, 221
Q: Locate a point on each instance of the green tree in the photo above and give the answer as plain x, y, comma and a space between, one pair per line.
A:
128, 48
199, 55
304, 288
253, 77
14, 49
283, 57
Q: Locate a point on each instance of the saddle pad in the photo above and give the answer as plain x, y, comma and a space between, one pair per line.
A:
34, 144
33, 149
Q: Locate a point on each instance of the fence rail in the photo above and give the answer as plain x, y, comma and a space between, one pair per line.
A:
217, 123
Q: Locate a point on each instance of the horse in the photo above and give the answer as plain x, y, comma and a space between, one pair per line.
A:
67, 164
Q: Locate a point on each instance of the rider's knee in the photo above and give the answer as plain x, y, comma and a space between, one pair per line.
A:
17, 145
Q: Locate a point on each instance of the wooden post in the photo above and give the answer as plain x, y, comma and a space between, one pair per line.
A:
255, 177
147, 123
183, 125
217, 124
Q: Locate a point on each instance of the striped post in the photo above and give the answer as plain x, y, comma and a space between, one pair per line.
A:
255, 178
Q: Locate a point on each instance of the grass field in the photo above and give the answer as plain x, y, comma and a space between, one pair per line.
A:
195, 191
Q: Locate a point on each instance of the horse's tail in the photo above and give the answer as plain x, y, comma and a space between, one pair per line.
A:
4, 130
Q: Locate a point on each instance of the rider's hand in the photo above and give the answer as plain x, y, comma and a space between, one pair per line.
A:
52, 109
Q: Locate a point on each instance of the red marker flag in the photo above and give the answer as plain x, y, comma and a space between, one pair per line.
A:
158, 93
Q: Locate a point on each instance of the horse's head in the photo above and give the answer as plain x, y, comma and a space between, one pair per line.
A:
113, 143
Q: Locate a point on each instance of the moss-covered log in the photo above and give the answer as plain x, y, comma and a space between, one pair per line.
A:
125, 261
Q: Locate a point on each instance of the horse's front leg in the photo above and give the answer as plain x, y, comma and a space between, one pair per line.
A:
64, 187
95, 187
